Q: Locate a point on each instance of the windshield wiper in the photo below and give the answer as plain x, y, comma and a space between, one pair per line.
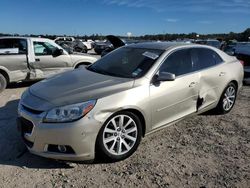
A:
117, 75
97, 70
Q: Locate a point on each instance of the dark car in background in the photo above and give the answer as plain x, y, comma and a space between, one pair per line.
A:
71, 45
99, 47
229, 47
117, 43
242, 52
210, 42
214, 43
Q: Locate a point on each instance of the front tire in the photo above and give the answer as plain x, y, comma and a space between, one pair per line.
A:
227, 99
3, 83
120, 136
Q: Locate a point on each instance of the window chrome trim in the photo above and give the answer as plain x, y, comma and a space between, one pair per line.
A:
192, 72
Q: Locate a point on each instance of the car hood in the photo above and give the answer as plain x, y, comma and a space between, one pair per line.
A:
74, 87
115, 41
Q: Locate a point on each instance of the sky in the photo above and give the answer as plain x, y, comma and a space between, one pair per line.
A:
118, 17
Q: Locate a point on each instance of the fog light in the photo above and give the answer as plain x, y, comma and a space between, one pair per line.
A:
62, 148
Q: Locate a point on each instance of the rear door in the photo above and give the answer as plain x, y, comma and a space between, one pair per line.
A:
45, 64
213, 72
172, 100
13, 57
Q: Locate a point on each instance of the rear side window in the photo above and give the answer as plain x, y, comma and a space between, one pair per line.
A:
178, 63
204, 58
13, 46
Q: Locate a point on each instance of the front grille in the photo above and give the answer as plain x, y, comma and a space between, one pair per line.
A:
31, 110
26, 126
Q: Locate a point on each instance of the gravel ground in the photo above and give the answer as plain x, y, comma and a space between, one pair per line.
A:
202, 151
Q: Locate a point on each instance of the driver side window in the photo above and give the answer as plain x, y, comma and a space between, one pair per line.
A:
43, 48
178, 63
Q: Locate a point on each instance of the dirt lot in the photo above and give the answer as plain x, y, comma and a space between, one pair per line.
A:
203, 151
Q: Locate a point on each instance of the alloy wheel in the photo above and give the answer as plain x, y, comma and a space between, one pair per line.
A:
229, 98
120, 135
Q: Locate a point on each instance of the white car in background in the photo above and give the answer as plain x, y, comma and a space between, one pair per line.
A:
88, 43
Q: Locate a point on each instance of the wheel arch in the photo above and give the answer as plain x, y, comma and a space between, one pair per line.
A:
138, 113
97, 150
232, 81
140, 116
82, 63
236, 84
5, 74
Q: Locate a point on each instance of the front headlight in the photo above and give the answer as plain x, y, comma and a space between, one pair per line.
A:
69, 113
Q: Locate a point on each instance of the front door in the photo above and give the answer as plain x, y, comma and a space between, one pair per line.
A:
172, 100
46, 64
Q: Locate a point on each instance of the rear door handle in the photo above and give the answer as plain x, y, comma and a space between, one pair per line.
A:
37, 59
222, 74
192, 84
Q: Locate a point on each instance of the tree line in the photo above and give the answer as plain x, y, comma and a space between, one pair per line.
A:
243, 36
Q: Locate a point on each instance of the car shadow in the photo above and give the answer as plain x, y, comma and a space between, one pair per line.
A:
13, 151
212, 112
21, 84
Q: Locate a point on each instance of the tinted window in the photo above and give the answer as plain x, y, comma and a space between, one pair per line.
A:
204, 58
127, 62
178, 63
13, 46
43, 48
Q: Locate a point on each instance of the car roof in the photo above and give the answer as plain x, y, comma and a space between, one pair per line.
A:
17, 37
159, 45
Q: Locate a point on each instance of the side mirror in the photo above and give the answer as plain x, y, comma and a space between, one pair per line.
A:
165, 76
57, 52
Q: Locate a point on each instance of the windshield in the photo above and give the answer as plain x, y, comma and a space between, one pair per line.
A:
127, 62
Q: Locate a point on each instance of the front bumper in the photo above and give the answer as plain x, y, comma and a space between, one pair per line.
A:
80, 136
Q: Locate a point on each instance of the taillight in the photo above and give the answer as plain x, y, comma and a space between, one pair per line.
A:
242, 62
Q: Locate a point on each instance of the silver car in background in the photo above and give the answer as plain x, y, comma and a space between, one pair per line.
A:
109, 106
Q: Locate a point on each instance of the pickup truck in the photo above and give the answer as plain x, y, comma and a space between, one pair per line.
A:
26, 58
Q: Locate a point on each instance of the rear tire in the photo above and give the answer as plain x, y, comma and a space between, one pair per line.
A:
227, 99
3, 83
119, 137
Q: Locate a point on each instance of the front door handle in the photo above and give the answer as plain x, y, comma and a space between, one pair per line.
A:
192, 84
37, 59
222, 74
